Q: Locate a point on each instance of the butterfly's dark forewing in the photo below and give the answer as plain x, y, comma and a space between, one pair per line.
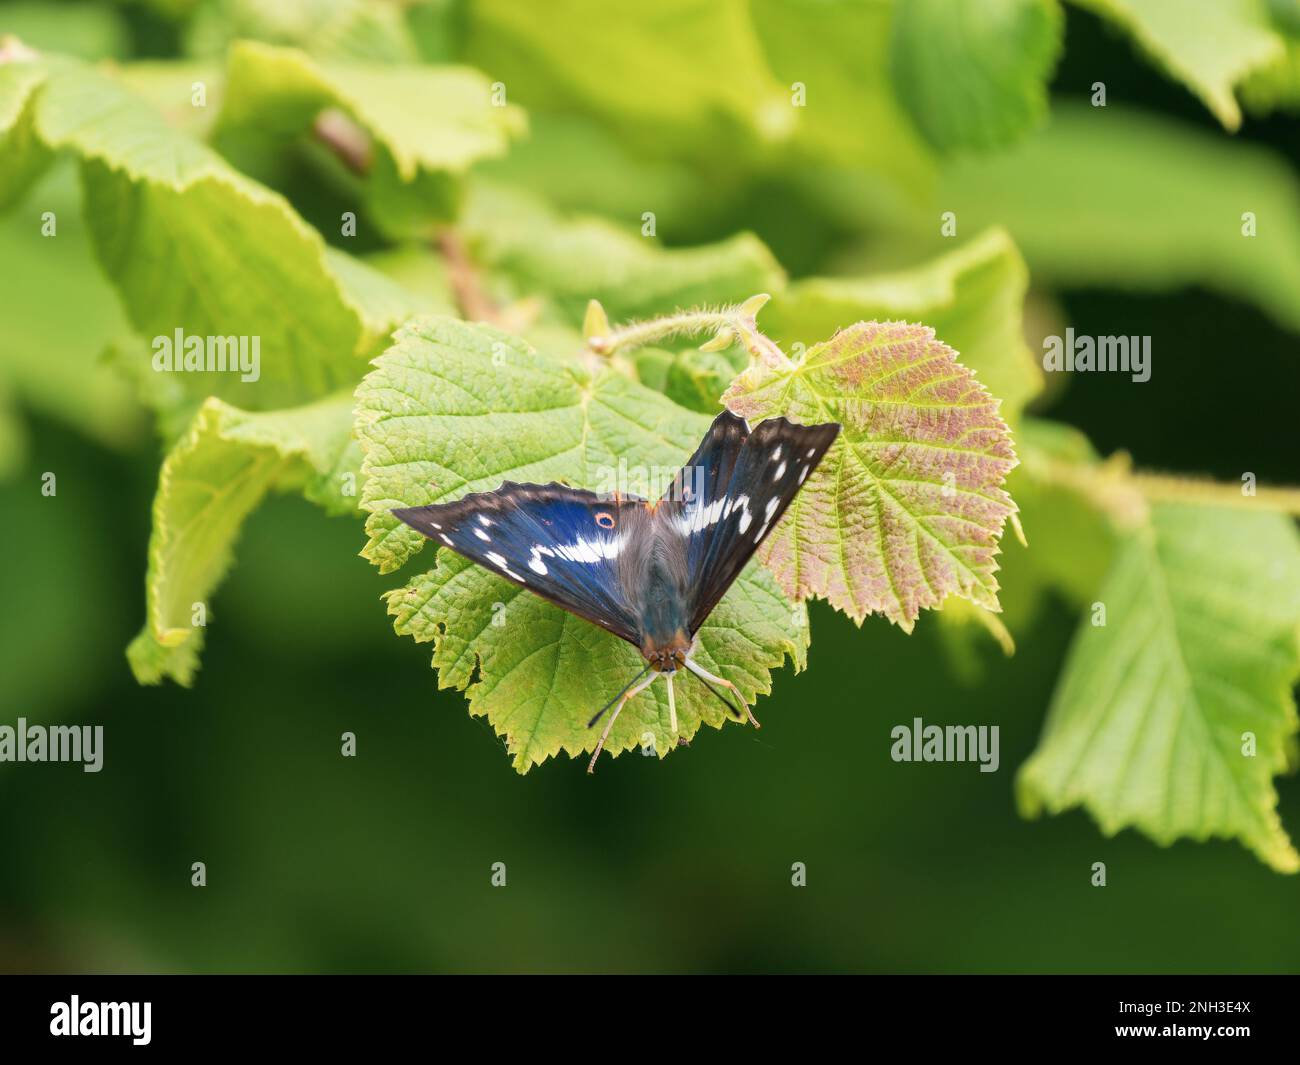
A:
732, 492
559, 542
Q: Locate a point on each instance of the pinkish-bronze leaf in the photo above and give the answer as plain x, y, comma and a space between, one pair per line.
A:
907, 507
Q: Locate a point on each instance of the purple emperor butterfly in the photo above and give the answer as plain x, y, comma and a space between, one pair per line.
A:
649, 572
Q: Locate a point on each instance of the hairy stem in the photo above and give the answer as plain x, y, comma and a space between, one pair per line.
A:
1162, 488
736, 322
639, 334
1123, 493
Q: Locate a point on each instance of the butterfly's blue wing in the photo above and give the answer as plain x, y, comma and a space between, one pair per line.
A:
647, 573
559, 542
732, 492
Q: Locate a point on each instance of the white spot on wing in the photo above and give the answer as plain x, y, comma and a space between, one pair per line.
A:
588, 551
746, 518
482, 535
698, 518
776, 455
504, 566
780, 472
803, 474
445, 539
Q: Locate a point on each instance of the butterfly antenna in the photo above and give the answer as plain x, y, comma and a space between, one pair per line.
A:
720, 697
626, 688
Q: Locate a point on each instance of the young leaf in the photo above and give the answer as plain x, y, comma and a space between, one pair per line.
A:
371, 30
834, 60
1210, 46
694, 378
167, 85
975, 78
452, 408
25, 157
1152, 205
973, 297
274, 95
454, 126
908, 505
49, 358
1174, 715
576, 164
1072, 539
210, 482
576, 260
194, 245
1277, 85
87, 31
650, 73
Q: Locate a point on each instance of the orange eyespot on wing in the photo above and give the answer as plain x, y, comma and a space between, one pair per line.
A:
605, 519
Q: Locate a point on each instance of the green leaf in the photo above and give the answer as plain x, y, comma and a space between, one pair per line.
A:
168, 86
574, 164
194, 245
50, 359
1071, 539
1208, 45
972, 297
1117, 198
420, 271
25, 157
573, 261
839, 54
87, 30
1201, 645
651, 73
452, 408
538, 673
693, 378
274, 95
371, 30
1277, 85
455, 125
974, 76
907, 506
212, 479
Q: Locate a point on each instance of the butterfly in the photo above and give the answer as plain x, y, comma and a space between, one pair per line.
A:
650, 572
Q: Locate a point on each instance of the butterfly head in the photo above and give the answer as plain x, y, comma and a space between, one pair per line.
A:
667, 656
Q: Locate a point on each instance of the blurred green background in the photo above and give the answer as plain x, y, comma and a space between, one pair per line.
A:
382, 862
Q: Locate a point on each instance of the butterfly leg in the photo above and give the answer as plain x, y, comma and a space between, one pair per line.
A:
706, 676
600, 746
